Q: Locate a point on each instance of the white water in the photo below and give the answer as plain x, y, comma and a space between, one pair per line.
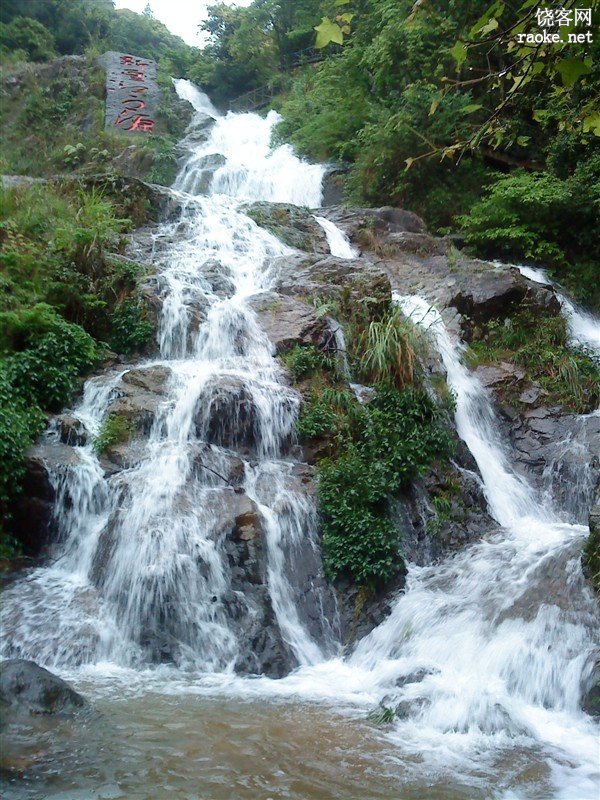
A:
338, 242
486, 654
583, 326
142, 558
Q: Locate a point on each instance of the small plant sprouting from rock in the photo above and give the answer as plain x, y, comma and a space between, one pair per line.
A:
114, 430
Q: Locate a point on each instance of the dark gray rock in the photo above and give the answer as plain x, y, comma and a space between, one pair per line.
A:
26, 687
590, 701
33, 521
225, 414
71, 430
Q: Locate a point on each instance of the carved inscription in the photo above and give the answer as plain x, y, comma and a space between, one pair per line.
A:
132, 94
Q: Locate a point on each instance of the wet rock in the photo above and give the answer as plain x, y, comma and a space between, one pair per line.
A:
558, 453
386, 219
27, 687
499, 375
590, 702
225, 413
33, 510
292, 225
71, 430
216, 466
495, 293
339, 279
141, 392
591, 553
288, 322
333, 185
152, 379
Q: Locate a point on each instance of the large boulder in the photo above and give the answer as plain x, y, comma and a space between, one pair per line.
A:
27, 687
558, 452
33, 520
140, 393
288, 322
225, 413
341, 280
590, 702
293, 225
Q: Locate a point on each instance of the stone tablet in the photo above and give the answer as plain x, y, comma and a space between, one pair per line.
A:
132, 93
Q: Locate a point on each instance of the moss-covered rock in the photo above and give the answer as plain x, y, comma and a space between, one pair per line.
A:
293, 225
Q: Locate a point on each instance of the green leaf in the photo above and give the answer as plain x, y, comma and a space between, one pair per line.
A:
341, 2
347, 17
571, 69
459, 54
470, 109
328, 32
592, 123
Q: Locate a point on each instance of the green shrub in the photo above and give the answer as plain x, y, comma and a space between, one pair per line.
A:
539, 218
28, 35
305, 361
114, 430
569, 375
130, 329
380, 448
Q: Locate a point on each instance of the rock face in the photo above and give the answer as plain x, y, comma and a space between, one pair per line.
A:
26, 687
33, 511
590, 702
559, 452
295, 226
140, 394
288, 322
335, 279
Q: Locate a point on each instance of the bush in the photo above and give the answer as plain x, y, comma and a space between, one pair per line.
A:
569, 375
29, 36
130, 330
114, 430
305, 361
380, 448
539, 218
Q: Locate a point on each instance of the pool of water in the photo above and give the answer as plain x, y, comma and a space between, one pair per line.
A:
164, 740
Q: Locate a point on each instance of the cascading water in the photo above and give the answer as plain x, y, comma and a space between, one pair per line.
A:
485, 655
338, 242
583, 326
143, 551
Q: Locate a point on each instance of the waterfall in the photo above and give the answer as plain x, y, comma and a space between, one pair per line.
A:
495, 644
142, 571
338, 242
583, 326
483, 658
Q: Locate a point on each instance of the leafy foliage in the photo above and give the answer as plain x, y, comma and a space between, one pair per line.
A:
130, 330
61, 292
114, 430
543, 219
390, 441
305, 361
570, 376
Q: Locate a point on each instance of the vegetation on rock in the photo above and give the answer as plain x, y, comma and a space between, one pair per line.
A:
568, 375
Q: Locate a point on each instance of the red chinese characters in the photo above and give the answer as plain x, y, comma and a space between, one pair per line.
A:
132, 85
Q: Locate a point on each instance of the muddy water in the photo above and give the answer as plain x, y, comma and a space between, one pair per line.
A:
149, 744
